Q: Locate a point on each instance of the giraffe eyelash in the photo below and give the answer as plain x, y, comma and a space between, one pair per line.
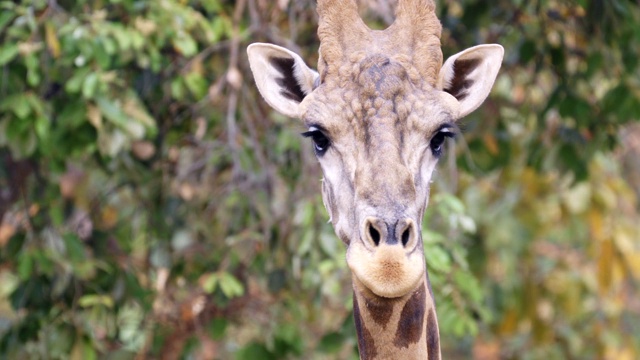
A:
436, 143
321, 142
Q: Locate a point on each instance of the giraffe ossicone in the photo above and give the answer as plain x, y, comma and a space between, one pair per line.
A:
378, 112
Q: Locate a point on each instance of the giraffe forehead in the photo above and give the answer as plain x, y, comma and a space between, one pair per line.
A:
373, 91
380, 77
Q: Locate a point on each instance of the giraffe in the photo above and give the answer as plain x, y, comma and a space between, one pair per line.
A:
378, 112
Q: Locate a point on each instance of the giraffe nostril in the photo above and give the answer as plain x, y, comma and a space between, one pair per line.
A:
394, 232
408, 235
405, 236
374, 234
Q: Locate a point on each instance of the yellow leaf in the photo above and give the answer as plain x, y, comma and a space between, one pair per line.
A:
77, 352
491, 143
605, 263
52, 40
577, 199
509, 323
630, 251
633, 261
618, 273
596, 224
619, 354
606, 197
109, 218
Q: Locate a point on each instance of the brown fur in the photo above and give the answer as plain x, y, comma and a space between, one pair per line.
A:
410, 326
380, 311
460, 83
433, 337
366, 342
404, 333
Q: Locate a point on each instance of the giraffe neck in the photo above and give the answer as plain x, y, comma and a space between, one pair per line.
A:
402, 328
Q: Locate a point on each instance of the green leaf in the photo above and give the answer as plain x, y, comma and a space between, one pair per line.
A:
33, 69
527, 51
305, 243
255, 351
42, 127
84, 350
90, 85
210, 283
101, 54
109, 46
468, 284
76, 81
430, 238
136, 109
185, 44
73, 114
178, 88
576, 108
7, 53
213, 6
5, 17
130, 318
58, 340
8, 283
25, 266
218, 328
122, 37
74, 247
18, 104
438, 259
331, 343
449, 204
92, 300
21, 138
329, 243
220, 26
114, 113
196, 84
230, 286
36, 103
137, 40
288, 341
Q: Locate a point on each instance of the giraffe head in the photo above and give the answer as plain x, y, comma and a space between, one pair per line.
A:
378, 112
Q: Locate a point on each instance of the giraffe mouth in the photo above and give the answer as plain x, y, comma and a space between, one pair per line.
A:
388, 271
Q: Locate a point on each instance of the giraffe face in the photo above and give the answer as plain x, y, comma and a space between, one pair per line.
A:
378, 114
378, 133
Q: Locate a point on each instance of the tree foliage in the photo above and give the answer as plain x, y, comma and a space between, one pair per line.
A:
152, 205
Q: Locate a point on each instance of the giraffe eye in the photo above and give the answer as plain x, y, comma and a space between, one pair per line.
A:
437, 141
320, 141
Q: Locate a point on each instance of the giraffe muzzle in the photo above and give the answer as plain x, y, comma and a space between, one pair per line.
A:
388, 259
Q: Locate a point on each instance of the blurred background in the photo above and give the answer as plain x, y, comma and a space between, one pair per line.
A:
153, 206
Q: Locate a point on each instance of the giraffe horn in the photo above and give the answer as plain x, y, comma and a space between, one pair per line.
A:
340, 30
417, 20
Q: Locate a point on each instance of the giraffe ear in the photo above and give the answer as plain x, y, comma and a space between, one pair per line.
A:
470, 74
282, 77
